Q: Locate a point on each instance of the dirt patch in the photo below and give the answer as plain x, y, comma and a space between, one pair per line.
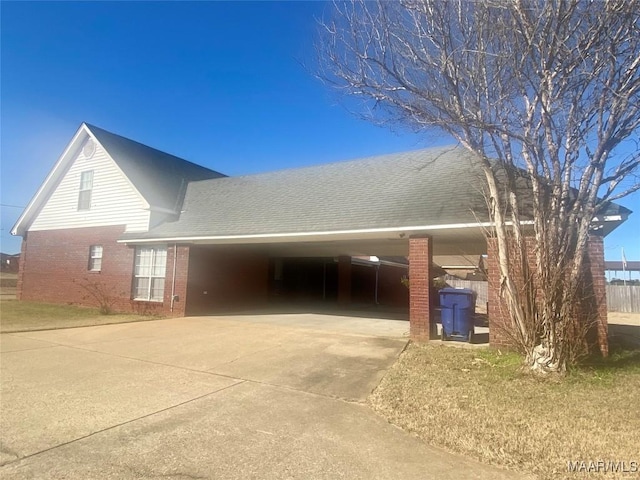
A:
620, 318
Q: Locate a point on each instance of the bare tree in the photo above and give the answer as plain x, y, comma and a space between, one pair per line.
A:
548, 88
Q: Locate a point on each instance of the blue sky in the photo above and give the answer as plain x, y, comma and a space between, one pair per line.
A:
227, 85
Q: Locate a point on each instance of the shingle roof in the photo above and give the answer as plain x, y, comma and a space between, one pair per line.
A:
425, 187
160, 178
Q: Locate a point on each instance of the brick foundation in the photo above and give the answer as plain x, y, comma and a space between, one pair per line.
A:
422, 326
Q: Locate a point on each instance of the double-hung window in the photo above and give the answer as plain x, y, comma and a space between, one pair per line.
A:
95, 258
149, 272
86, 185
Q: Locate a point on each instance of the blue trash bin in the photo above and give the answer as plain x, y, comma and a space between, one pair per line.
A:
458, 307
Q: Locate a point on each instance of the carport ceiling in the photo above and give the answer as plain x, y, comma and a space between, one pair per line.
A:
445, 242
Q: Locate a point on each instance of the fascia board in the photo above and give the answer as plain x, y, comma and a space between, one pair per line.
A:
304, 236
45, 189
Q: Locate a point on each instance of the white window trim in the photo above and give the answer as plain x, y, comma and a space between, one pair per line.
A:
93, 256
82, 190
151, 276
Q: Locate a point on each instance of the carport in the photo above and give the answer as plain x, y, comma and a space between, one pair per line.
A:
312, 274
291, 236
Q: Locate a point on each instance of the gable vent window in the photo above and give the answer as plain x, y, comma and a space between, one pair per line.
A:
95, 258
149, 272
86, 185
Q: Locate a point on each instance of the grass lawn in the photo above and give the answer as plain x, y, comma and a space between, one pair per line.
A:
480, 403
20, 316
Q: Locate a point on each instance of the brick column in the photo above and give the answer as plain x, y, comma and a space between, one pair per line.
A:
594, 293
176, 283
420, 272
597, 287
344, 280
497, 312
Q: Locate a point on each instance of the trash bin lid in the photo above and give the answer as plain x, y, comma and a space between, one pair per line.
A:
461, 291
463, 297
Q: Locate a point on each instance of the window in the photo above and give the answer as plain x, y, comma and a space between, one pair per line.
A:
95, 258
86, 185
149, 271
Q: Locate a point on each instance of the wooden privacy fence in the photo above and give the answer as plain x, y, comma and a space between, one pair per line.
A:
620, 298
482, 292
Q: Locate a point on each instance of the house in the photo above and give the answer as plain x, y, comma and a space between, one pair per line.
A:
621, 271
9, 263
157, 233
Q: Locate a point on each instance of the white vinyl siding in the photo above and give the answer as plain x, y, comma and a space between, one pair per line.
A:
114, 201
149, 272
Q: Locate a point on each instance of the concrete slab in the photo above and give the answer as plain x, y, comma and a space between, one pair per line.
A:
333, 323
347, 367
13, 343
55, 395
253, 431
208, 398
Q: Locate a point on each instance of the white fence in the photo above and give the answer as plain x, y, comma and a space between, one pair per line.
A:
620, 298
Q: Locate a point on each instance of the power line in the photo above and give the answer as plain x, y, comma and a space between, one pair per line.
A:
12, 206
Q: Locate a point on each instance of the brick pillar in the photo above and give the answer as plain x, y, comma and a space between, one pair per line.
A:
344, 280
420, 276
176, 283
21, 266
597, 286
497, 312
594, 293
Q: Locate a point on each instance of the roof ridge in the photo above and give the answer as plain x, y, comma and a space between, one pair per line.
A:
102, 130
380, 157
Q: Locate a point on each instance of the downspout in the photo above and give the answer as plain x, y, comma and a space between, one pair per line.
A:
173, 280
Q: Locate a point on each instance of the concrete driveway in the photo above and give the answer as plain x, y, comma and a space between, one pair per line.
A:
233, 397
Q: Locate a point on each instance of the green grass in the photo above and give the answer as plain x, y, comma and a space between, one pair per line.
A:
483, 404
21, 316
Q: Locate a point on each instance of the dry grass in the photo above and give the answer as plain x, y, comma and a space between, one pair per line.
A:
18, 316
480, 403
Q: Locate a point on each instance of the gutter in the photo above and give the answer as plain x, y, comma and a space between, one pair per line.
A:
402, 231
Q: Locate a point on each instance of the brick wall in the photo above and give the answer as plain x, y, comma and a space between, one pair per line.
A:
594, 292
420, 292
499, 320
54, 268
226, 278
